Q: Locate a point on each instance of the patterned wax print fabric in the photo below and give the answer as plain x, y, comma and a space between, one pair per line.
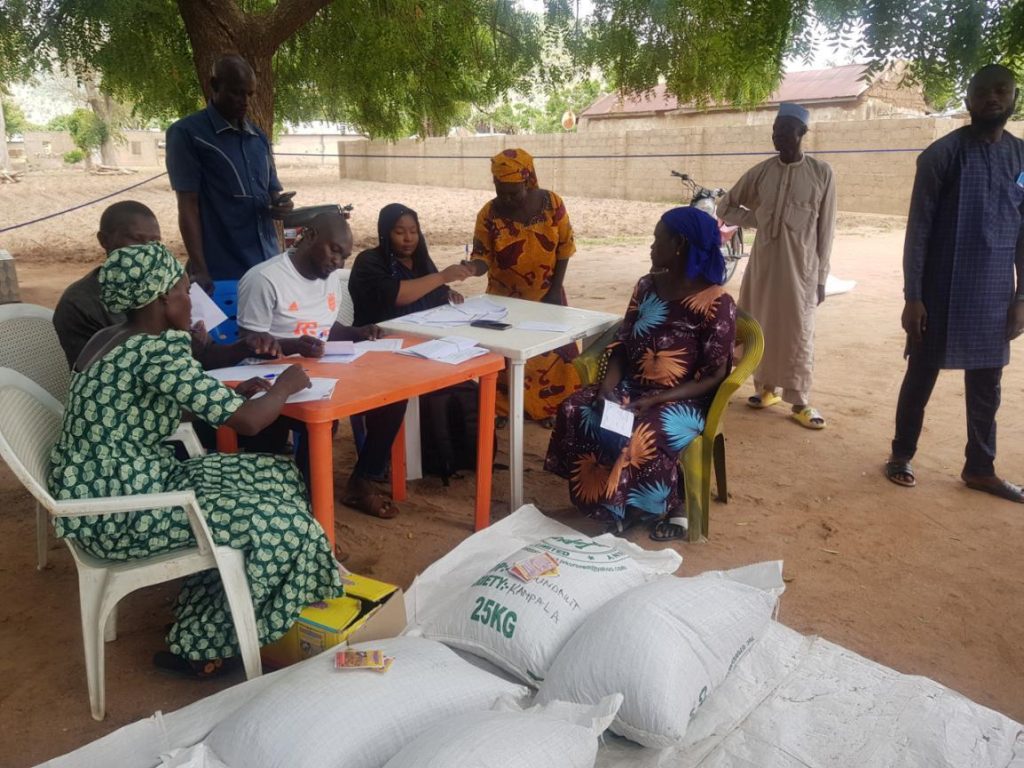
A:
514, 166
521, 260
663, 344
966, 216
137, 275
119, 412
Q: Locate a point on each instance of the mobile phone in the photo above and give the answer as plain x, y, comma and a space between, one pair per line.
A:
284, 197
492, 324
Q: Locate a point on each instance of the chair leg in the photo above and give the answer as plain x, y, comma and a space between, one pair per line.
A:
42, 536
110, 630
90, 594
720, 477
236, 589
695, 480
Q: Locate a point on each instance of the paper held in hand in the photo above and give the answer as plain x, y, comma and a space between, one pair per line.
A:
471, 310
204, 309
617, 419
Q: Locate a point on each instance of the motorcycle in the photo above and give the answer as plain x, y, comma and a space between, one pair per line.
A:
706, 200
298, 218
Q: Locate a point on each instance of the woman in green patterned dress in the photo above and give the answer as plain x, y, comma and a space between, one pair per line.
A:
131, 384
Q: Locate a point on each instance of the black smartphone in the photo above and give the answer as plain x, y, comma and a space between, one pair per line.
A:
492, 324
284, 197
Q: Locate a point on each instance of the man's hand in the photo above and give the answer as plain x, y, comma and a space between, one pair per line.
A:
201, 277
1015, 320
262, 344
367, 332
915, 320
307, 346
282, 205
821, 294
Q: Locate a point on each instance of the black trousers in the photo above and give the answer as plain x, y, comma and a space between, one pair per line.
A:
982, 394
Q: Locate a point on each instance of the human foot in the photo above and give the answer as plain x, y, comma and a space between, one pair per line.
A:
900, 472
995, 485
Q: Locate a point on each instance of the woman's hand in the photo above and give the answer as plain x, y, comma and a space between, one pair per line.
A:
293, 379
641, 405
456, 273
367, 332
253, 386
454, 297
262, 344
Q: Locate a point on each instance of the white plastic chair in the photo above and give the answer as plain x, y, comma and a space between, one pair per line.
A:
30, 422
29, 345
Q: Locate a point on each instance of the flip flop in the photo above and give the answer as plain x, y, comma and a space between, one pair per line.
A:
669, 529
764, 400
618, 527
1004, 490
895, 468
808, 417
374, 505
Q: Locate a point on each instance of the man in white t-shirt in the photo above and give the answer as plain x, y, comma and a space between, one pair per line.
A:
295, 298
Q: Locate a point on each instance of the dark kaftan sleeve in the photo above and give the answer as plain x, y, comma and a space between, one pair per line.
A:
932, 168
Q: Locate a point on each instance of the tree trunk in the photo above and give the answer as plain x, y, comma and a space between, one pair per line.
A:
5, 158
103, 107
216, 27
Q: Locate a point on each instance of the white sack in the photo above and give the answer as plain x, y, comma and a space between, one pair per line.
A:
521, 626
665, 646
555, 734
315, 716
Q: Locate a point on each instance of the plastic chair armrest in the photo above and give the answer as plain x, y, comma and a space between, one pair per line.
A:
186, 435
116, 504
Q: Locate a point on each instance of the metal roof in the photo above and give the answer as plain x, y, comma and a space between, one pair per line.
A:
816, 85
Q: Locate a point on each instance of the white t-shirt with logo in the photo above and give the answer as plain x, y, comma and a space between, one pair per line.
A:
274, 298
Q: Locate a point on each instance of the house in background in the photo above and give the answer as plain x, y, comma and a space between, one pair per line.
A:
838, 93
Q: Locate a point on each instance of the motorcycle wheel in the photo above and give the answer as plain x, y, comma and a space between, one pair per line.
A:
733, 252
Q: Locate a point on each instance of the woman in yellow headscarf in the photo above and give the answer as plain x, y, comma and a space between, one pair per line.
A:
522, 242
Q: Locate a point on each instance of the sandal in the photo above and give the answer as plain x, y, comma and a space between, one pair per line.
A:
766, 399
670, 529
374, 505
166, 661
808, 417
900, 472
1001, 488
618, 527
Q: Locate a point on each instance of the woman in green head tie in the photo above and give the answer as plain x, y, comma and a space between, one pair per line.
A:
131, 384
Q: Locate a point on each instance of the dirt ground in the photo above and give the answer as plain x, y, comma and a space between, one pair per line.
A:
928, 580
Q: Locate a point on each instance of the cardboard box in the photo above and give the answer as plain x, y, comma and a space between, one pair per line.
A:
370, 610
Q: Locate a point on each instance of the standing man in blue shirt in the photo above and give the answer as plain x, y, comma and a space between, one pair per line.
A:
222, 169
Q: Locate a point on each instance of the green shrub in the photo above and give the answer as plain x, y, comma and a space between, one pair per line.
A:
74, 156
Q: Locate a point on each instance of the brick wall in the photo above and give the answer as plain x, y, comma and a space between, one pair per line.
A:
874, 160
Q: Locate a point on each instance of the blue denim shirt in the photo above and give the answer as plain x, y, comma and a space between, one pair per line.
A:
233, 172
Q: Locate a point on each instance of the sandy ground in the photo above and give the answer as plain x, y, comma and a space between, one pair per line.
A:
928, 580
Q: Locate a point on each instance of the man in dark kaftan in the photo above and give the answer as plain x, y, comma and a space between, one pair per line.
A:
965, 240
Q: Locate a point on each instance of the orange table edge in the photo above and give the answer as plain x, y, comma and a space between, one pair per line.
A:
358, 390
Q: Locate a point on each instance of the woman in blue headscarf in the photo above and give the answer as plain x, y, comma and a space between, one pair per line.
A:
673, 350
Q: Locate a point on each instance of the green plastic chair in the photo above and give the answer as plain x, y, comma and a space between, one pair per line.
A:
708, 447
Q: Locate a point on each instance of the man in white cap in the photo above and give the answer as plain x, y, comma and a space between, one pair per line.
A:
791, 200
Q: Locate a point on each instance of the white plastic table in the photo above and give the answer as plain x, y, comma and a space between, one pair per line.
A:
518, 346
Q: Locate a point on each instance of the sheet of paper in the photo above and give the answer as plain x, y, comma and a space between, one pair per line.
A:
319, 389
537, 325
343, 358
617, 419
473, 308
379, 345
204, 308
339, 348
243, 372
451, 349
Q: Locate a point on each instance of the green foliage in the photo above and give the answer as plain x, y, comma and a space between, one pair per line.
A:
14, 118
87, 130
74, 156
518, 116
59, 123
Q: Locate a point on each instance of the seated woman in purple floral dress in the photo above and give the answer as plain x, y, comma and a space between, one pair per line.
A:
673, 350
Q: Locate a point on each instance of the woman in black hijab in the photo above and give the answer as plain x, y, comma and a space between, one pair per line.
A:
398, 277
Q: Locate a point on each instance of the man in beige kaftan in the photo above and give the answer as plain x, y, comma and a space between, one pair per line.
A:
791, 200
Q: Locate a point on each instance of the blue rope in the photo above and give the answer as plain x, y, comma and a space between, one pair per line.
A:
82, 205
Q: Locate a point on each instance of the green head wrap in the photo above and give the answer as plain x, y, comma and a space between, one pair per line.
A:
137, 275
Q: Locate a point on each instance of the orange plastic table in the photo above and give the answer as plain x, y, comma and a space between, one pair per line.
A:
376, 379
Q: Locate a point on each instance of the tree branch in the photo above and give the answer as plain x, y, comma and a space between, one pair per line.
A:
287, 18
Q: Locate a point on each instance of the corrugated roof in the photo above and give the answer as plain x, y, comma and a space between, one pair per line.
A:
815, 85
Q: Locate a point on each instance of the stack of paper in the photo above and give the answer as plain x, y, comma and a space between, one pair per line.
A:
473, 309
318, 389
243, 372
450, 349
340, 352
